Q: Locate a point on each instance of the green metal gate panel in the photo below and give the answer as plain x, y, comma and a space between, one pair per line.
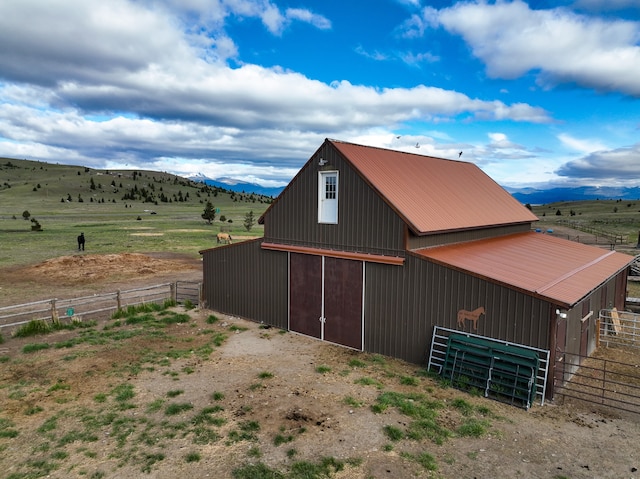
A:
500, 371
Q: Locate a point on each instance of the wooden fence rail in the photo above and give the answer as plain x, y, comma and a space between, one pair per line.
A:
98, 305
615, 238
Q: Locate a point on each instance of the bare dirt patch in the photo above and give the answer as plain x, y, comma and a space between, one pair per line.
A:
82, 274
310, 400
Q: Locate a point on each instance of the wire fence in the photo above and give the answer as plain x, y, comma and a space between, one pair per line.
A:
98, 305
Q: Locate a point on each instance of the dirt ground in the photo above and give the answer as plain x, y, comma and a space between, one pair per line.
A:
317, 397
85, 274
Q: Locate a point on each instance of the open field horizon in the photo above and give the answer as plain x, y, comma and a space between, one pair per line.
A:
118, 211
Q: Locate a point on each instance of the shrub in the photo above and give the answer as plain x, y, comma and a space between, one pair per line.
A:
393, 433
192, 457
217, 396
188, 304
32, 328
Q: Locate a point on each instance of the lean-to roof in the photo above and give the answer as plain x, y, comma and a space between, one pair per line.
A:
560, 271
434, 195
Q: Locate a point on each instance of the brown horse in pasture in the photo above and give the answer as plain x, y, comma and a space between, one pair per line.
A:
224, 238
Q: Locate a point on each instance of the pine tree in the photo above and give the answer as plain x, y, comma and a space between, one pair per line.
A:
249, 221
209, 213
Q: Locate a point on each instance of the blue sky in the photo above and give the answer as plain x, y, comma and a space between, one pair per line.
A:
537, 94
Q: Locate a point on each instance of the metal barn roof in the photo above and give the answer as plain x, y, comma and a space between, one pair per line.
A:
558, 270
432, 194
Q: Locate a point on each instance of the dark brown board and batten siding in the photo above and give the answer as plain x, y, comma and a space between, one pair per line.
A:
403, 304
246, 281
427, 241
365, 222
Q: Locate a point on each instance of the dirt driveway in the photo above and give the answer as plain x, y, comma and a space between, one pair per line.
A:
221, 398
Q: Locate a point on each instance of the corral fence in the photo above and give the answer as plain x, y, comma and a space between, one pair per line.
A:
597, 379
98, 305
599, 233
621, 328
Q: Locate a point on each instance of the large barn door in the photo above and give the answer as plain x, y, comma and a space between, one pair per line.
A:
343, 302
305, 290
326, 298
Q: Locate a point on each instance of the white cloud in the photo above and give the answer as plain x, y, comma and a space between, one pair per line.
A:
309, 17
513, 39
500, 141
375, 55
580, 144
419, 58
139, 83
611, 166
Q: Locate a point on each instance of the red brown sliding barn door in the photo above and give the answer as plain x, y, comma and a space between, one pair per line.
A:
325, 298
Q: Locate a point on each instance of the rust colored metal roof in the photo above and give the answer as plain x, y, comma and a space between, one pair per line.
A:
432, 194
555, 269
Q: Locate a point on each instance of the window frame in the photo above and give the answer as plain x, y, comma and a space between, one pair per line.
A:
325, 204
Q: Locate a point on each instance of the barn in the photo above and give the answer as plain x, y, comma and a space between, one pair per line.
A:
382, 251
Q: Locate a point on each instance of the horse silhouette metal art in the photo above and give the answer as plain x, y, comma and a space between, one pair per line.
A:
472, 316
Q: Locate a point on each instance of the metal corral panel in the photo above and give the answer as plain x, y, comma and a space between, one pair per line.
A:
403, 304
365, 222
246, 281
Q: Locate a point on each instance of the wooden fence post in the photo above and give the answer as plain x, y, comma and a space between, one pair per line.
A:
200, 296
174, 292
118, 301
54, 312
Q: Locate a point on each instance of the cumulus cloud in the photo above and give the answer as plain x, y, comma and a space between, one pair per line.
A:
501, 141
562, 46
119, 65
138, 82
605, 165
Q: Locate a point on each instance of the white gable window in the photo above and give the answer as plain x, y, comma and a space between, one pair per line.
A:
328, 197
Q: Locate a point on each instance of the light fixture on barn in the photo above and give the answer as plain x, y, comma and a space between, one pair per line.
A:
561, 314
322, 162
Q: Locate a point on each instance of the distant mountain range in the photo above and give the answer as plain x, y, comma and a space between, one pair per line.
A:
238, 186
533, 196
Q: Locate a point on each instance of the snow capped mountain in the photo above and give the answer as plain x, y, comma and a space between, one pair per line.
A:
233, 184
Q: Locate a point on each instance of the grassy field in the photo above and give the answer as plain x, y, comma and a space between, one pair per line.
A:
609, 216
118, 211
